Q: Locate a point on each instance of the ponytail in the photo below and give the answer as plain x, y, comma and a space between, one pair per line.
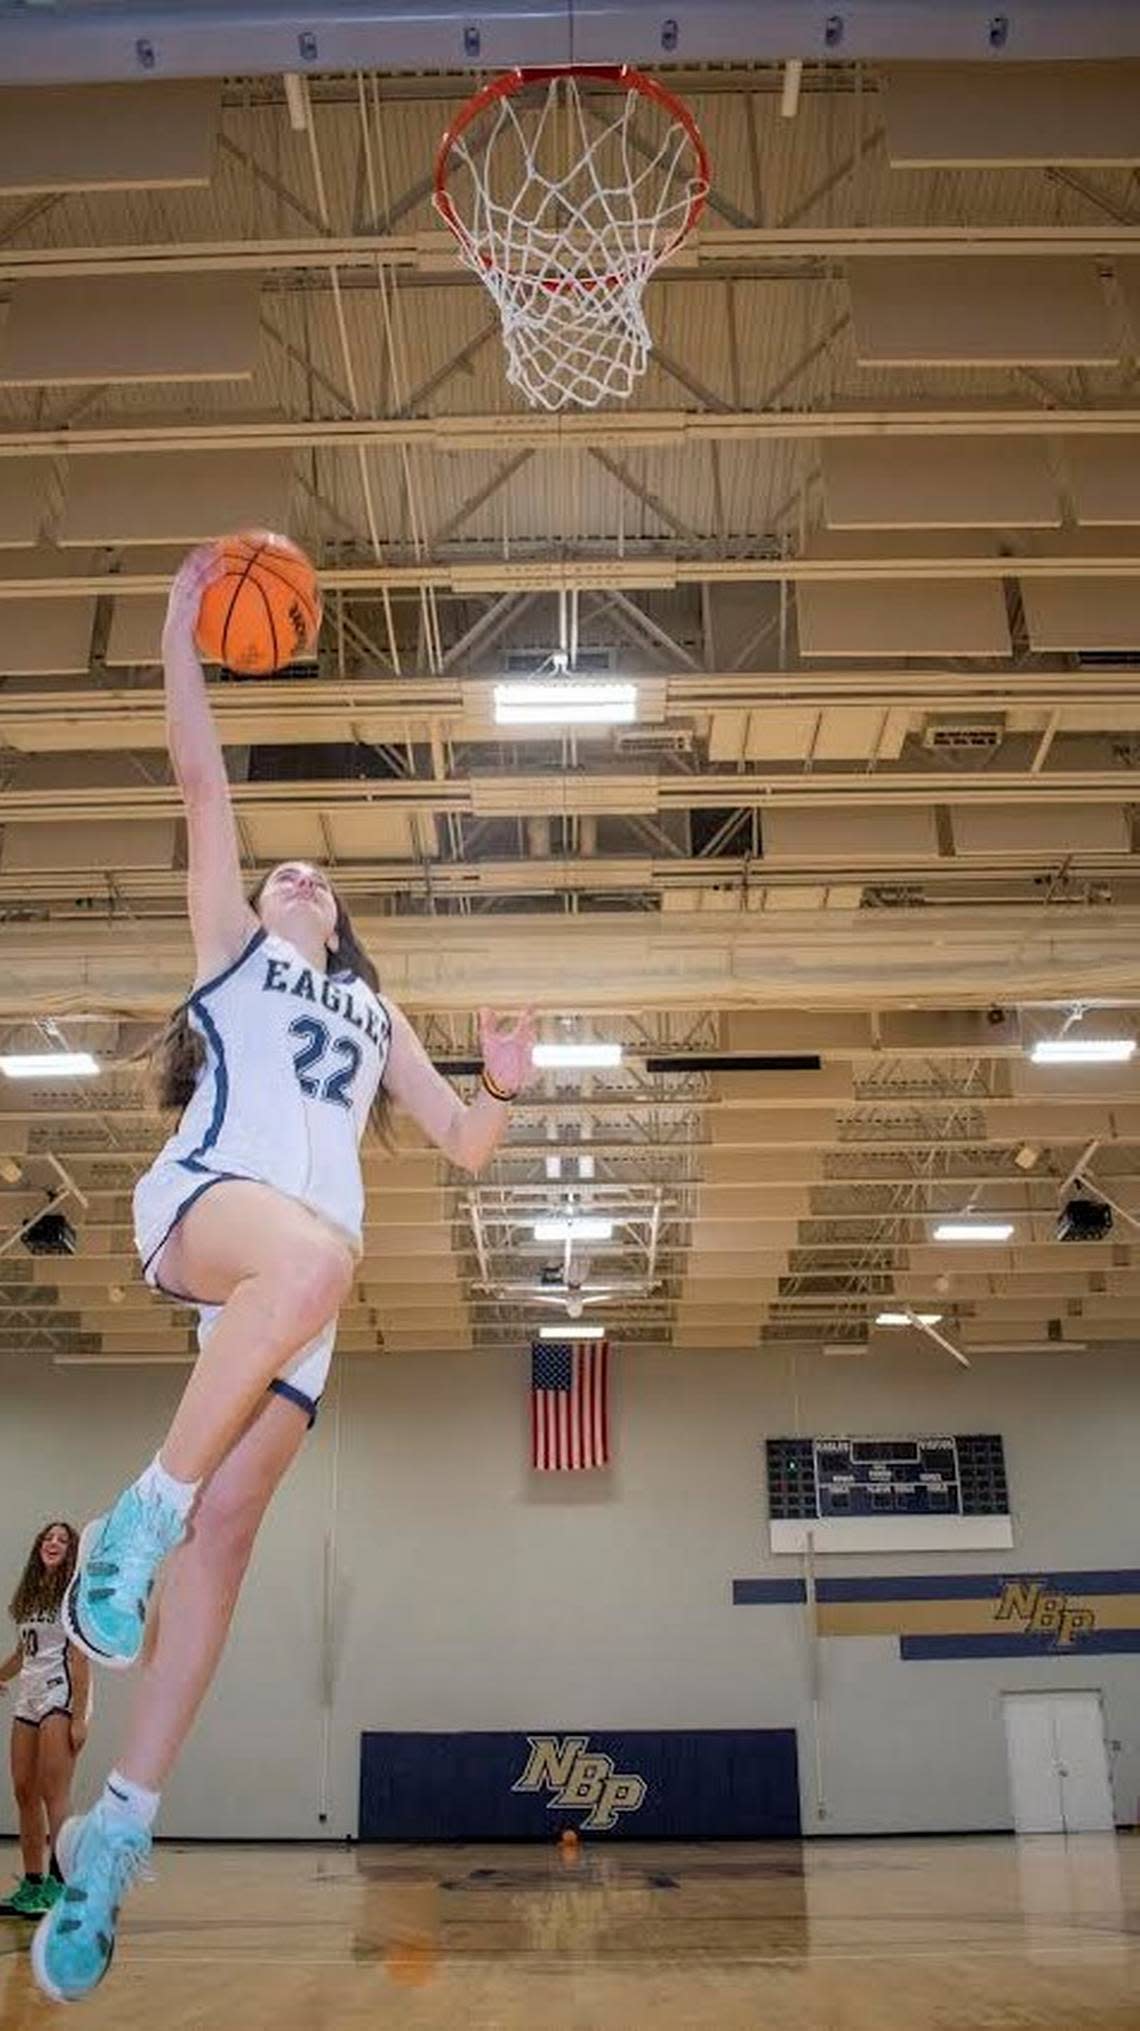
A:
175, 1062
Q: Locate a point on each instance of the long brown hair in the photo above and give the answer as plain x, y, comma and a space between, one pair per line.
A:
39, 1592
177, 1055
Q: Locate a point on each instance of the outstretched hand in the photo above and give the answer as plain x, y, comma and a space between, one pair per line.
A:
200, 568
507, 1052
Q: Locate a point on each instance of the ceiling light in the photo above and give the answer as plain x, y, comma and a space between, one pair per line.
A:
553, 1169
973, 1230
10, 1170
568, 1331
909, 1319
586, 1168
48, 1064
1083, 1050
550, 1057
578, 1229
565, 702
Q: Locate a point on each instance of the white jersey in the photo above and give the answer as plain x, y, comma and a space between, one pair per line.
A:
293, 1061
45, 1673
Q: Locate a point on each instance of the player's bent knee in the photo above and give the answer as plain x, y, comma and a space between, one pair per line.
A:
312, 1283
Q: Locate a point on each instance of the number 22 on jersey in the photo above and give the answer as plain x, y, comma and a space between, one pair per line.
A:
311, 1062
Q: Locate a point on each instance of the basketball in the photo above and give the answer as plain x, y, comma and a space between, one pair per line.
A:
265, 609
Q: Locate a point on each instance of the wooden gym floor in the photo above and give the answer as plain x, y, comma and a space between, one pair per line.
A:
888, 1935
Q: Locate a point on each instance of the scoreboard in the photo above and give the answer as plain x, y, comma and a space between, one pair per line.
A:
878, 1493
886, 1477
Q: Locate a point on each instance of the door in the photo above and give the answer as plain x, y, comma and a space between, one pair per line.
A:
1058, 1764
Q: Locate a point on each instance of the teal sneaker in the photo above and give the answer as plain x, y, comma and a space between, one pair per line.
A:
104, 1608
101, 1855
26, 1901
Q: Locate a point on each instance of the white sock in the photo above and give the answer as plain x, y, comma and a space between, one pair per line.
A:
130, 1801
177, 1495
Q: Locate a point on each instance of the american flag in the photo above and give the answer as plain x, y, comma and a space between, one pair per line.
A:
569, 1411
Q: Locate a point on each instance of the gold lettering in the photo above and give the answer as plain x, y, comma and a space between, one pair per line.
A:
551, 1763
1018, 1601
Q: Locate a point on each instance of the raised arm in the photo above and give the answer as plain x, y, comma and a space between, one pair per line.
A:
220, 918
468, 1135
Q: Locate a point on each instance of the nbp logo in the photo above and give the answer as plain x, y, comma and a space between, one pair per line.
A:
580, 1781
1043, 1612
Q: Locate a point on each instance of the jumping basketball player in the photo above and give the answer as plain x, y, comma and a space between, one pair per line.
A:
253, 1213
49, 1725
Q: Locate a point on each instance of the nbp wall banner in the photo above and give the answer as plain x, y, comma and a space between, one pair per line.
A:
706, 1784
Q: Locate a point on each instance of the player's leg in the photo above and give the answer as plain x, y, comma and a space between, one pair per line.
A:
279, 1275
54, 1773
200, 1586
26, 1901
103, 1852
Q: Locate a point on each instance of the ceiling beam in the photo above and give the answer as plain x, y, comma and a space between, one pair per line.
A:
646, 496
75, 43
606, 572
926, 959
434, 251
653, 428
519, 793
685, 882
296, 711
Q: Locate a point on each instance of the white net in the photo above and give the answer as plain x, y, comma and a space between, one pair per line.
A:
564, 199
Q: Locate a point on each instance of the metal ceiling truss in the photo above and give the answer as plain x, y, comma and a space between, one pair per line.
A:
751, 1208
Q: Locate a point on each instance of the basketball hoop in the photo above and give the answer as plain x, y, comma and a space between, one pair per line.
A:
564, 208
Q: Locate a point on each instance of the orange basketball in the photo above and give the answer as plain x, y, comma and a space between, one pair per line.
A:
265, 609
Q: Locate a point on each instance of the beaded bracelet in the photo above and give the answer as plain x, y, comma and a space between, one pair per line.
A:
496, 1092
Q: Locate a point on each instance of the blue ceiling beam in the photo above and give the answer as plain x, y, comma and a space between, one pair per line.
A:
90, 41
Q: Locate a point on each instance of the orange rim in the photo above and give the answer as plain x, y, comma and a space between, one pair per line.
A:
622, 76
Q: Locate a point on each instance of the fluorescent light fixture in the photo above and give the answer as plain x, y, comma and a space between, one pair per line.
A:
563, 701
581, 1057
48, 1064
1083, 1050
586, 1168
973, 1230
553, 1169
909, 1319
581, 1228
568, 1331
